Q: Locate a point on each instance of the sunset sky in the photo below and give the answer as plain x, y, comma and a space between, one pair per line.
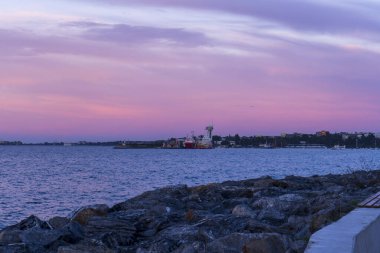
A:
151, 69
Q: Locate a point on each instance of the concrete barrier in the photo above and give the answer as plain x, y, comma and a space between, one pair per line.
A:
357, 232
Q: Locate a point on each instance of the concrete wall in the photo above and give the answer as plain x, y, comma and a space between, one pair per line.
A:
357, 232
368, 240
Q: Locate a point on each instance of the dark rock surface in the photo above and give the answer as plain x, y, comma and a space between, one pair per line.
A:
262, 215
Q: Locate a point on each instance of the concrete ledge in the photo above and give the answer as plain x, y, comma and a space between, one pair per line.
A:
357, 232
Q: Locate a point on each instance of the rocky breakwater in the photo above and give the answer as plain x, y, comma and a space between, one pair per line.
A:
262, 215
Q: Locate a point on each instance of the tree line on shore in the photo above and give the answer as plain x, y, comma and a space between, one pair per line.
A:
329, 140
356, 140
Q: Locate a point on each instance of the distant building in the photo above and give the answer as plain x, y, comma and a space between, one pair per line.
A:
345, 136
322, 133
293, 135
359, 135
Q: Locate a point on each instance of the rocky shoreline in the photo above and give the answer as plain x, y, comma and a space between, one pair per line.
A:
261, 215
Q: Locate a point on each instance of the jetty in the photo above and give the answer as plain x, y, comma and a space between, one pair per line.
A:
264, 215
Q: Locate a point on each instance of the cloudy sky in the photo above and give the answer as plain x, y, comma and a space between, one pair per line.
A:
147, 69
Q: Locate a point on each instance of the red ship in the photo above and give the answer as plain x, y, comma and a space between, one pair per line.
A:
190, 142
200, 143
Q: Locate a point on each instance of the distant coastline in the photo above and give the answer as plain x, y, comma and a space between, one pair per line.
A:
322, 139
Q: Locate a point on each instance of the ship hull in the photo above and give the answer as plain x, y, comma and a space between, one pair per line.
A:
189, 145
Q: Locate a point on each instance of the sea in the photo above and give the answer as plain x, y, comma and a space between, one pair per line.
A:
50, 181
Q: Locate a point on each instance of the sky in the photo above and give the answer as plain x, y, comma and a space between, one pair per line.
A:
153, 69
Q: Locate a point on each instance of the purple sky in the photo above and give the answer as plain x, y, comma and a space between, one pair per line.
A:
148, 69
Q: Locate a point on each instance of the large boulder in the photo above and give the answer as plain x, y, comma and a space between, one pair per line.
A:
272, 215
265, 244
38, 240
14, 248
111, 230
72, 232
84, 249
82, 215
277, 209
10, 236
247, 243
243, 211
285, 202
14, 234
237, 192
58, 222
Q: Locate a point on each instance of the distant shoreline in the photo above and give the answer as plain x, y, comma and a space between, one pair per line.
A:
143, 146
322, 139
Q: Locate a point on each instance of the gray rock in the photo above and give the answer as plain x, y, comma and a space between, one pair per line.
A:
182, 233
272, 215
31, 222
72, 233
296, 223
206, 235
163, 246
243, 211
255, 226
265, 244
237, 192
277, 209
38, 240
10, 236
84, 249
240, 242
97, 227
283, 203
58, 222
194, 197
299, 246
82, 215
186, 249
111, 240
14, 248
264, 182
304, 233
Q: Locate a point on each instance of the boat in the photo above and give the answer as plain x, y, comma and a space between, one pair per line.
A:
266, 146
189, 143
339, 147
204, 142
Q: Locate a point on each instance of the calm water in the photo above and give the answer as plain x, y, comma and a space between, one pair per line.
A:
49, 181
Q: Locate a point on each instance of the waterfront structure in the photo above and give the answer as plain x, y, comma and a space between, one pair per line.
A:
322, 133
192, 141
173, 143
206, 141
